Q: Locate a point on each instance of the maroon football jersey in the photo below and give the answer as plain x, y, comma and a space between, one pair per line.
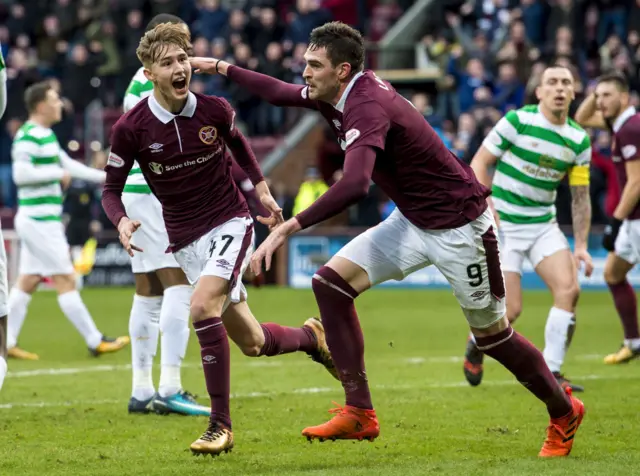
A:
182, 158
430, 186
626, 147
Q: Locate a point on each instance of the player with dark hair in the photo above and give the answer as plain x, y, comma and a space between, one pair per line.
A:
442, 219
609, 108
179, 139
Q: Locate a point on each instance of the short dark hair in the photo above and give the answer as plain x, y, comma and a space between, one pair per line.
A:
619, 79
35, 94
343, 43
163, 18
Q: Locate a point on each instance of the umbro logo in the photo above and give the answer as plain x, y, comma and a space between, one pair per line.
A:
209, 359
155, 147
478, 295
223, 263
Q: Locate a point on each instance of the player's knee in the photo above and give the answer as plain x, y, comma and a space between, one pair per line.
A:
567, 296
198, 309
611, 277
251, 349
64, 283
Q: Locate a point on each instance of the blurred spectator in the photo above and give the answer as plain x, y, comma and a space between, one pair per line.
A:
467, 140
211, 19
271, 118
312, 188
306, 15
508, 91
472, 83
235, 32
268, 30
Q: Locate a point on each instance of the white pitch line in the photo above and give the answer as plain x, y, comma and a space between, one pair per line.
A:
257, 363
310, 390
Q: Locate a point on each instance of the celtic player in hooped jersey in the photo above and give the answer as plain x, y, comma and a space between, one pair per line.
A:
41, 170
533, 148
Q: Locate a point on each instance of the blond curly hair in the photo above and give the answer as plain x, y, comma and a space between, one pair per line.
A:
155, 42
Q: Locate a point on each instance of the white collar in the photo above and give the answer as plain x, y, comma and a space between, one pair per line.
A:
343, 99
622, 118
165, 116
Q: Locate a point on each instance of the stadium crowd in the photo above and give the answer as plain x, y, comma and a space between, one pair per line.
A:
89, 47
491, 54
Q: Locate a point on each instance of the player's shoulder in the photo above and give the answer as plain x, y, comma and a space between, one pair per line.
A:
574, 125
215, 108
526, 115
35, 130
368, 87
626, 128
578, 135
368, 95
206, 101
134, 117
631, 125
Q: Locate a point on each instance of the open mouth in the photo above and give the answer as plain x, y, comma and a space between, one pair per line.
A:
180, 85
559, 99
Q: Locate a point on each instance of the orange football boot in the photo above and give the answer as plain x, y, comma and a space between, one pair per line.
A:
561, 431
349, 423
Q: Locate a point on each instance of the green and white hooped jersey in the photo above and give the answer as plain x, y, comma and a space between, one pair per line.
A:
139, 88
38, 148
534, 155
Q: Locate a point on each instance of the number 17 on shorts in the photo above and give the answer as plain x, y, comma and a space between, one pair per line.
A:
223, 252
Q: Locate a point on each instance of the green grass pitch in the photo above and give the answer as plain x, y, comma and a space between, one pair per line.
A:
66, 414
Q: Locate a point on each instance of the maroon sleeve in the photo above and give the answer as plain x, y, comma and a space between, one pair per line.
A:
629, 141
248, 190
239, 146
270, 89
119, 163
352, 187
366, 124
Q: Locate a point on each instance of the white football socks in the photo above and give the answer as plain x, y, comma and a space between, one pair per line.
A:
18, 305
3, 371
633, 344
557, 335
174, 328
144, 326
72, 306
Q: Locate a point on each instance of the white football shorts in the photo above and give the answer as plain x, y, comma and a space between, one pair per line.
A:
151, 236
467, 256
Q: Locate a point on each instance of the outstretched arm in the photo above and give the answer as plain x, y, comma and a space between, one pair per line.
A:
81, 171
246, 159
247, 188
272, 90
26, 171
351, 188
